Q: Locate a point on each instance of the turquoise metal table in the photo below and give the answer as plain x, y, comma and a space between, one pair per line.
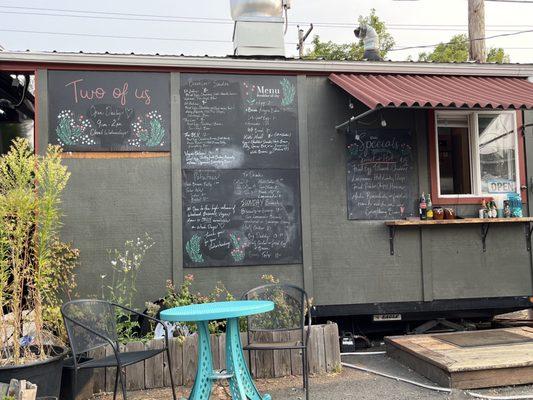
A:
240, 381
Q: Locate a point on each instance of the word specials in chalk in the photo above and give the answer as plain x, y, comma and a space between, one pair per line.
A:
379, 174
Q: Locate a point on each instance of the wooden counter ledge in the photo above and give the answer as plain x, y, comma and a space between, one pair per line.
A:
485, 223
459, 221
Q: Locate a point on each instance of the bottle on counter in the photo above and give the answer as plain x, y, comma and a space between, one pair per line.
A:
483, 210
494, 209
429, 207
422, 207
506, 209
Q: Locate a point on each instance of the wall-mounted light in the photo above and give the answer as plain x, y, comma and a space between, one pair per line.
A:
382, 121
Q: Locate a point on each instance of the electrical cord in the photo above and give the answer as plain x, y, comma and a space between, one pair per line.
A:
419, 384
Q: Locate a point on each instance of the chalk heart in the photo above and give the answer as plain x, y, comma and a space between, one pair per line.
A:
129, 113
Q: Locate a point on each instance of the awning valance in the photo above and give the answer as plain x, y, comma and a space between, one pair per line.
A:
396, 90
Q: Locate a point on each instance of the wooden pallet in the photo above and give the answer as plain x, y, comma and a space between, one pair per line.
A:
471, 367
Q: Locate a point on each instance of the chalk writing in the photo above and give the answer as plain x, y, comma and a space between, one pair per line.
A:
241, 217
232, 121
380, 174
119, 111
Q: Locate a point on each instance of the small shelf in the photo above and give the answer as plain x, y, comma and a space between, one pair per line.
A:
484, 222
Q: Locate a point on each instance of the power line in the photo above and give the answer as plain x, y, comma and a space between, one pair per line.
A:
191, 19
121, 37
400, 27
483, 38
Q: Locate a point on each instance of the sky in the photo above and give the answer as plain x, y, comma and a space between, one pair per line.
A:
204, 27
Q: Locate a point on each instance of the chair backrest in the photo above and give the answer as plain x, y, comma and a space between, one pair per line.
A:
290, 310
90, 324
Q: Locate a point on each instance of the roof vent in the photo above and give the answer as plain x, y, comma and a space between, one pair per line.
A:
259, 27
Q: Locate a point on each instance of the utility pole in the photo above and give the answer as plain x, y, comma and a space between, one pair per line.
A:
476, 31
301, 39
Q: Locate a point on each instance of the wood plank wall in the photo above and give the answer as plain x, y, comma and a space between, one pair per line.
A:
324, 357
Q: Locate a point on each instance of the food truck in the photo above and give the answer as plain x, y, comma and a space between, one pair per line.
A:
307, 170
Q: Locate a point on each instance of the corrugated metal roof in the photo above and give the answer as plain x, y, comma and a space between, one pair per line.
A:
321, 67
437, 91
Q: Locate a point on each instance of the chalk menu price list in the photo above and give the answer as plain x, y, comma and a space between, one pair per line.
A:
239, 121
241, 217
109, 111
381, 181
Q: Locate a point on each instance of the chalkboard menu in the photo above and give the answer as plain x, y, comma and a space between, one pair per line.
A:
381, 181
241, 217
109, 111
240, 170
239, 121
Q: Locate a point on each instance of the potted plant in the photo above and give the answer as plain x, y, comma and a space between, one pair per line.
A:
31, 270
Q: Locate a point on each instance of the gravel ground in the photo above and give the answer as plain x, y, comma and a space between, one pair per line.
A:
349, 384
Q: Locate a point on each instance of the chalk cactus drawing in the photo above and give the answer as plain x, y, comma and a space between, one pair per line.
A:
72, 130
149, 130
193, 249
289, 91
239, 247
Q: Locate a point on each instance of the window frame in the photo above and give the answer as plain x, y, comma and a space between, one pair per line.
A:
476, 197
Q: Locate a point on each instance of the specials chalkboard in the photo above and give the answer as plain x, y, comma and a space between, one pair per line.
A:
239, 121
381, 182
241, 217
109, 111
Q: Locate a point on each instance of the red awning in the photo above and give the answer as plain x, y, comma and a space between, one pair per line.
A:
437, 90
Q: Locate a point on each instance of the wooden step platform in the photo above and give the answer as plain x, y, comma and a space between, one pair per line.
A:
468, 360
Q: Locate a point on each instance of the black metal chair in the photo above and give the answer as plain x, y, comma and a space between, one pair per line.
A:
92, 324
292, 312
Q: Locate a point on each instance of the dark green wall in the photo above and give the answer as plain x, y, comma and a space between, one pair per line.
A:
109, 201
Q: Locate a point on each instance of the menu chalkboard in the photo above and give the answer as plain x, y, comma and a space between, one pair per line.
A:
109, 111
381, 181
239, 121
241, 217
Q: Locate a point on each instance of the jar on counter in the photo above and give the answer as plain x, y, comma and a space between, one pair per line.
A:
438, 213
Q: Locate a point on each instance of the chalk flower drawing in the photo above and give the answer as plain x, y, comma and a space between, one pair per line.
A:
239, 247
193, 249
148, 130
249, 93
71, 130
289, 91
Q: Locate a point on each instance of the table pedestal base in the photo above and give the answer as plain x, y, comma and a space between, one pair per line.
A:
240, 381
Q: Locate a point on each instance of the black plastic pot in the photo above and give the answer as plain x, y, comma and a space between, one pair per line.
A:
45, 374
84, 385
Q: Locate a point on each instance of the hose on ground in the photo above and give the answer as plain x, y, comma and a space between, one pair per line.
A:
423, 385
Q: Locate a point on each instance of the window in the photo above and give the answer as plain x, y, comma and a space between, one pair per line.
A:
476, 154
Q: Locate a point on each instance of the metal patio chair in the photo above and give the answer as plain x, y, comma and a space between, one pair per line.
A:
292, 312
92, 324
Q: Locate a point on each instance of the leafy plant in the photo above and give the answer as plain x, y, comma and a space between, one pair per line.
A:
66, 131
30, 220
193, 248
183, 296
125, 265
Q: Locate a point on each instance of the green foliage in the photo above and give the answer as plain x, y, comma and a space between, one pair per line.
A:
183, 296
289, 91
126, 264
456, 50
352, 51
30, 220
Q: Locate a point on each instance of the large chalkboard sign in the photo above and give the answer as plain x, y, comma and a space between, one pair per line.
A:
109, 111
241, 217
239, 121
381, 182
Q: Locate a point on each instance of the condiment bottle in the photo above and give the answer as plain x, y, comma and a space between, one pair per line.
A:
483, 209
429, 207
506, 209
422, 207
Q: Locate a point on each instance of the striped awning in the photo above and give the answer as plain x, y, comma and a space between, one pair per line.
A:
396, 90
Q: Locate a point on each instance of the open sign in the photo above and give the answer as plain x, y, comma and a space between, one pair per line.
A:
501, 186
